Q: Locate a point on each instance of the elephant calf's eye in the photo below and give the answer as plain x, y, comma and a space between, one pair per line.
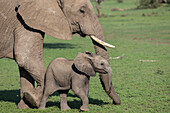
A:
82, 11
102, 64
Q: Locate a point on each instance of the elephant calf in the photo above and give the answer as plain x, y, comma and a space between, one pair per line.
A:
63, 74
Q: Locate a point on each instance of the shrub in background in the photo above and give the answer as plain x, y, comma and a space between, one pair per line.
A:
119, 1
145, 4
168, 1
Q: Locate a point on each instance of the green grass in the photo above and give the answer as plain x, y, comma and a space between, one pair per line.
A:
141, 86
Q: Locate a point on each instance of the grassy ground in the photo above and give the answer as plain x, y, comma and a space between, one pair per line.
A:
141, 86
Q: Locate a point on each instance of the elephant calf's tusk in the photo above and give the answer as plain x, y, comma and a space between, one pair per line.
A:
101, 42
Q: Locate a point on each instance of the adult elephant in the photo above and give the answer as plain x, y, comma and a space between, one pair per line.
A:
23, 24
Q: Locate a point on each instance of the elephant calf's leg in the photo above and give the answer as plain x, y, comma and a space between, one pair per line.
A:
83, 96
48, 90
63, 100
85, 102
44, 100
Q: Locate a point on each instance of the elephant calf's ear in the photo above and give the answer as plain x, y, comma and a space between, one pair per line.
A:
83, 64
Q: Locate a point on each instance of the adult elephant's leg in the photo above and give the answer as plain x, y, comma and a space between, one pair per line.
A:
33, 96
29, 94
28, 81
28, 55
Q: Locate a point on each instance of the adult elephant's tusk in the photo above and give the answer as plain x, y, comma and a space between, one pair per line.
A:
101, 42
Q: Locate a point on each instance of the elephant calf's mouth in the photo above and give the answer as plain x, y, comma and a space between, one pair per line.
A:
101, 71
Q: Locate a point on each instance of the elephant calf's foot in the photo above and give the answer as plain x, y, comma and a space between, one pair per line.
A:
41, 108
32, 99
22, 105
84, 108
66, 107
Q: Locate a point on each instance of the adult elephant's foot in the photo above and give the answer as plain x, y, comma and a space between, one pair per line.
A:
22, 105
32, 99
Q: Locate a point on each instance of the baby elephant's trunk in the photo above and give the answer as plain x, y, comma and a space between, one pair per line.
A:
106, 81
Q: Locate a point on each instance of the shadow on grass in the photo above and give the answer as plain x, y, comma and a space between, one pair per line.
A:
75, 104
58, 45
13, 96
10, 96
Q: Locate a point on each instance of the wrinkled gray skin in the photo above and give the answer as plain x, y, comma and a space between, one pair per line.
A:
23, 24
63, 74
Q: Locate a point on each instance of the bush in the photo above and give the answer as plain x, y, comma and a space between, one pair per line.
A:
119, 1
168, 1
145, 4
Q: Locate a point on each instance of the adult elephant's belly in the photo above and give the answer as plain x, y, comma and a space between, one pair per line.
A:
7, 27
6, 47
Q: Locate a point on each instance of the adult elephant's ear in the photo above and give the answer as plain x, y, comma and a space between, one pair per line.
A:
83, 63
45, 15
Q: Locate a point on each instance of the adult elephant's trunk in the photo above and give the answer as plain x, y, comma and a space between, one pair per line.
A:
106, 79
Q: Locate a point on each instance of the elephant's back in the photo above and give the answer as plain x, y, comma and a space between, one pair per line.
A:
61, 65
61, 69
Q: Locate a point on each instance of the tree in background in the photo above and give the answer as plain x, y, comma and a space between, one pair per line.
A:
144, 4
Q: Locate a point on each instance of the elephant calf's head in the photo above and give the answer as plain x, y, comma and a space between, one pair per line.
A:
89, 64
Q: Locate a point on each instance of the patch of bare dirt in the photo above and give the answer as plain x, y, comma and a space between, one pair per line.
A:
119, 9
150, 14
